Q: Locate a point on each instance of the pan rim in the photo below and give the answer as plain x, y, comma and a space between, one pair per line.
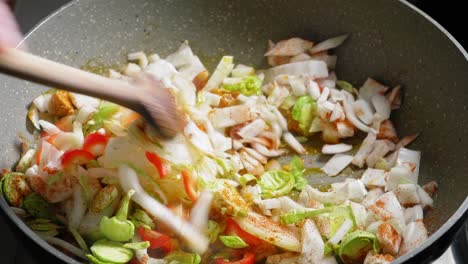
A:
450, 227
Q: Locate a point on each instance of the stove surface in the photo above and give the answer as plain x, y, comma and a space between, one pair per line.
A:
30, 12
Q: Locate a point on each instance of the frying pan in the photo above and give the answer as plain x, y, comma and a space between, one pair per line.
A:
391, 41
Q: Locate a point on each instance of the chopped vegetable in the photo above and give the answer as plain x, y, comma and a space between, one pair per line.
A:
156, 239
183, 258
247, 85
111, 252
76, 157
14, 188
37, 207
118, 228
276, 183
95, 144
233, 241
356, 245
248, 258
158, 163
303, 112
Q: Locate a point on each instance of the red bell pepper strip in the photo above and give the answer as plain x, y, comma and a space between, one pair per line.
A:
189, 185
157, 240
248, 258
95, 144
158, 162
233, 229
76, 157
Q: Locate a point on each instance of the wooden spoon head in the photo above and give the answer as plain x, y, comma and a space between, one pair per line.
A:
160, 106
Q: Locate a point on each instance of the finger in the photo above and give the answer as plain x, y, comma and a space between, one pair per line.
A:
10, 35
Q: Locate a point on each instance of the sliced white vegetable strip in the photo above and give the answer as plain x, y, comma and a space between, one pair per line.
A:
270, 231
387, 207
330, 43
371, 196
348, 107
49, 128
331, 197
407, 194
78, 209
293, 143
65, 245
380, 149
223, 69
410, 159
363, 111
267, 152
426, 200
230, 116
364, 150
337, 113
252, 129
336, 164
290, 47
42, 102
374, 178
413, 214
381, 106
336, 148
201, 210
297, 86
140, 57
242, 70
370, 88
341, 232
312, 250
360, 214
313, 68
414, 234
389, 238
313, 89
194, 238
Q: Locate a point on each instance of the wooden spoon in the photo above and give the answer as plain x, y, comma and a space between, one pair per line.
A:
145, 95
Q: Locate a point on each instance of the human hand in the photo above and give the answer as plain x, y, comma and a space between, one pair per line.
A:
10, 35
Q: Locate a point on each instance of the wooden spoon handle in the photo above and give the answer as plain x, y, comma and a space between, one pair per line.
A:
36, 69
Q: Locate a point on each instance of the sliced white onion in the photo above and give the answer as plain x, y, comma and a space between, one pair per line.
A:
413, 214
290, 47
370, 88
381, 105
331, 197
278, 95
414, 234
374, 178
313, 89
407, 194
394, 97
348, 107
312, 68
49, 128
341, 232
297, 86
337, 113
201, 210
312, 250
140, 57
410, 159
252, 129
293, 143
336, 148
230, 116
198, 137
380, 149
336, 164
387, 207
363, 111
426, 200
256, 155
344, 129
42, 102
330, 43
267, 152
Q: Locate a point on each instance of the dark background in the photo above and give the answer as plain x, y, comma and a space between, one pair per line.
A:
450, 14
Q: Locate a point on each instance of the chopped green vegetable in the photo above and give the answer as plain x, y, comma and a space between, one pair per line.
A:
247, 85
106, 111
303, 112
141, 218
42, 225
79, 239
296, 168
246, 178
137, 245
180, 257
356, 245
344, 85
233, 241
276, 183
14, 188
110, 251
228, 200
330, 222
37, 207
213, 230
94, 260
297, 216
118, 228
